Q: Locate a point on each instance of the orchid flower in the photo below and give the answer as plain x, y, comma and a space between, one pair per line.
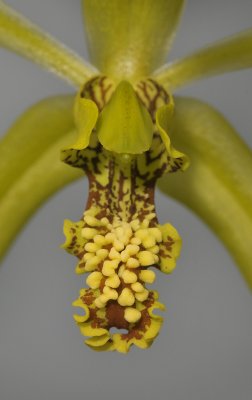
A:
128, 133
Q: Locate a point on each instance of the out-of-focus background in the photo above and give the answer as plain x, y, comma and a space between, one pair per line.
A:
204, 349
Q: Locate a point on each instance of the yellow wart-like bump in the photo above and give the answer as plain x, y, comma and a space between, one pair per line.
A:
91, 247
132, 249
154, 249
132, 314
142, 296
113, 281
104, 221
145, 223
124, 256
88, 256
110, 237
94, 279
109, 267
126, 298
156, 232
92, 263
137, 287
88, 233
132, 263
146, 258
118, 245
147, 276
149, 241
128, 276
102, 253
114, 254
135, 224
136, 241
99, 240
110, 293
91, 221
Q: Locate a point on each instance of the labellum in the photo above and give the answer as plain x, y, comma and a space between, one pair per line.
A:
123, 147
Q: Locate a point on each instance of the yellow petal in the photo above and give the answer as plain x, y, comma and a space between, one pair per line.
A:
230, 54
21, 36
85, 115
98, 341
217, 186
130, 38
163, 120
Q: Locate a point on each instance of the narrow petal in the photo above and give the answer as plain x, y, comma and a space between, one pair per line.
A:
164, 117
21, 36
129, 39
40, 180
24, 151
85, 115
230, 54
31, 134
217, 186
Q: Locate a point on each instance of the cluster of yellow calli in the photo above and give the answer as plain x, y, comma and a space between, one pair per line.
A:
128, 245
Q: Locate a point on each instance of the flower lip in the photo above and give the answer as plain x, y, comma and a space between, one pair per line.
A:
119, 238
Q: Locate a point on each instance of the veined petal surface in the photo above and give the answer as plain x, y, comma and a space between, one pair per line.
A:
230, 54
217, 186
23, 37
129, 39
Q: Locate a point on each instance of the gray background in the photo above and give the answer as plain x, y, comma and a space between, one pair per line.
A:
204, 349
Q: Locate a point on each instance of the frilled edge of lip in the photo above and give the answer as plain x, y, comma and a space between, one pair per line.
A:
100, 319
96, 323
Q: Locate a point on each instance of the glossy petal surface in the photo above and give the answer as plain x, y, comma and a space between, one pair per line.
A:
217, 186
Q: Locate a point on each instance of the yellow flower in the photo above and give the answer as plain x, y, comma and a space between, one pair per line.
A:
123, 116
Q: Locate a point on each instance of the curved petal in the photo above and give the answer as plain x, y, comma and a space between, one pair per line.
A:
41, 179
217, 186
230, 54
23, 37
163, 120
85, 115
23, 154
31, 134
129, 39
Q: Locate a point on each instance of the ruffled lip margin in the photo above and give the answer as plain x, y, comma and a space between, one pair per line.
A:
96, 324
